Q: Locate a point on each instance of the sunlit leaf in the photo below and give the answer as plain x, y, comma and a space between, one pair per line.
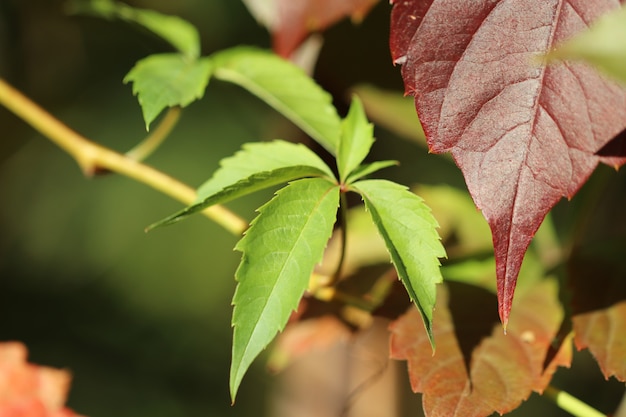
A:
357, 138
167, 80
285, 87
261, 157
524, 136
409, 231
280, 250
477, 369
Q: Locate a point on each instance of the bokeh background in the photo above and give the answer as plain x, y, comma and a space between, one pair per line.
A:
143, 320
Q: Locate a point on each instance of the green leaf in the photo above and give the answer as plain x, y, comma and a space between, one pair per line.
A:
258, 157
367, 169
166, 80
181, 34
280, 250
255, 167
357, 137
409, 230
285, 87
603, 45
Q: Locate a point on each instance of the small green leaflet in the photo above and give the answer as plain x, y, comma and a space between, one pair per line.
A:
357, 137
166, 80
255, 167
285, 87
409, 230
280, 250
603, 45
258, 157
181, 34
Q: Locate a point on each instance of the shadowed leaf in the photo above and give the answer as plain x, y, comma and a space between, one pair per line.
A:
257, 166
291, 21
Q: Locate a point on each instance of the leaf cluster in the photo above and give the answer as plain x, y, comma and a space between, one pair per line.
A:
287, 239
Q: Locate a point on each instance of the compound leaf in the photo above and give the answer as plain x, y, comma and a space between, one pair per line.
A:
257, 166
524, 135
357, 138
166, 80
280, 250
409, 230
285, 87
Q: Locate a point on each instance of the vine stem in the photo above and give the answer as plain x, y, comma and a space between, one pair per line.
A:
91, 156
571, 404
145, 148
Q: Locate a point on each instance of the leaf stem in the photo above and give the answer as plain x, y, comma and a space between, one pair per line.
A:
91, 156
571, 404
147, 146
343, 217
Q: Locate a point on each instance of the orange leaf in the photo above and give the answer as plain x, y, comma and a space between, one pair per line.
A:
504, 369
29, 390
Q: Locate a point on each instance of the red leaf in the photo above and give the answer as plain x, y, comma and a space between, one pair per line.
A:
28, 390
524, 136
504, 369
291, 21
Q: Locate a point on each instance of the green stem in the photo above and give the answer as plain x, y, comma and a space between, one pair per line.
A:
571, 404
90, 156
147, 146
343, 216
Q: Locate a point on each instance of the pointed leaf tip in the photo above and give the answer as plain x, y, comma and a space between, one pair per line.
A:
167, 80
524, 136
280, 250
410, 233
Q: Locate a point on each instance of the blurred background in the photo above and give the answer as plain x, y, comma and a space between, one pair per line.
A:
143, 320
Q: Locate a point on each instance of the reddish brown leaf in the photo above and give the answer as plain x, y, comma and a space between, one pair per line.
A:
27, 390
504, 369
524, 136
291, 21
599, 304
306, 336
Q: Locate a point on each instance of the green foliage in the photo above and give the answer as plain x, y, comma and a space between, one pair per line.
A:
167, 80
409, 230
255, 167
285, 87
280, 249
356, 140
